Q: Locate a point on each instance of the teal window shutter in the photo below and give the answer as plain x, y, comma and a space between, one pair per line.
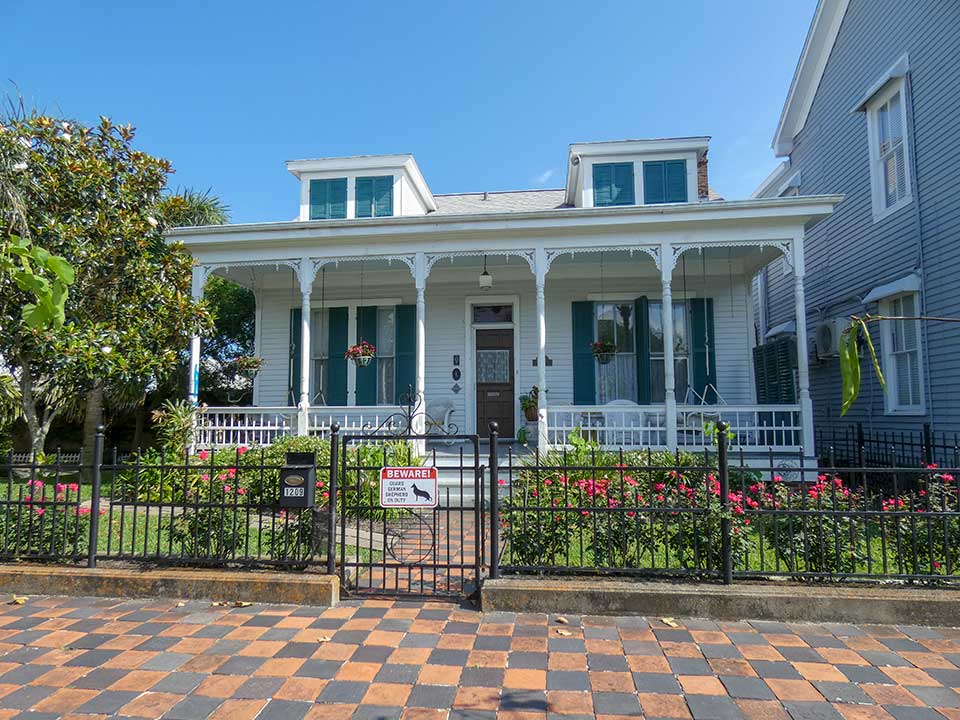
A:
364, 197
293, 364
337, 364
641, 312
664, 181
406, 351
367, 376
773, 366
613, 184
584, 370
654, 191
328, 199
675, 180
383, 196
703, 349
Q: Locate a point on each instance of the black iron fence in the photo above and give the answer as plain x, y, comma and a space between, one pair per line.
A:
855, 445
572, 510
582, 510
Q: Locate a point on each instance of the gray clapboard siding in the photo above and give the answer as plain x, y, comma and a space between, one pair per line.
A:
848, 253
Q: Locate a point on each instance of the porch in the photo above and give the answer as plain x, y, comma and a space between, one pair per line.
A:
468, 351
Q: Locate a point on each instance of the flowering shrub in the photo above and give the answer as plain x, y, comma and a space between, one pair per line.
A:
925, 544
831, 540
49, 521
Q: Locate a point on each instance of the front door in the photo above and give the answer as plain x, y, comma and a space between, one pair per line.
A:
495, 390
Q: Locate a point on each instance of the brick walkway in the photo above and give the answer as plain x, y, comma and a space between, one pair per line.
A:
91, 658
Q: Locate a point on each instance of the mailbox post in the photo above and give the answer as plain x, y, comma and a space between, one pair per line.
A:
298, 480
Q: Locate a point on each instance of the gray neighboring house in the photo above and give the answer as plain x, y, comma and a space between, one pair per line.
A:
873, 113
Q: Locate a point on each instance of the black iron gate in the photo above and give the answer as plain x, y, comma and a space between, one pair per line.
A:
390, 550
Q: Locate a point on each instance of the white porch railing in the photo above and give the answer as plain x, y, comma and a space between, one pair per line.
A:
753, 427
220, 426
223, 426
354, 420
627, 426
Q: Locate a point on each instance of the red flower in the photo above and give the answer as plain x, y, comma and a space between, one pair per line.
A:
203, 455
242, 450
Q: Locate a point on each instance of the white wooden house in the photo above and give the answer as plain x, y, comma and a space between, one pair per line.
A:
471, 299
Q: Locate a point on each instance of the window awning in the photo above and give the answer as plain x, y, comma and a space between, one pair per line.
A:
787, 328
898, 70
910, 283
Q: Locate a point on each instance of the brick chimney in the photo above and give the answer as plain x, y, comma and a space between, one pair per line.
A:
703, 185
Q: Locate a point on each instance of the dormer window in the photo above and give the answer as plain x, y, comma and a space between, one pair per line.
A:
664, 181
613, 184
375, 196
328, 199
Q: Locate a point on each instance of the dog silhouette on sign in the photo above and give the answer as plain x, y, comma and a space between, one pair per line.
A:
418, 493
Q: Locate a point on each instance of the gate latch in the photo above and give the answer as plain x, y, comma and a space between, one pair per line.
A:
298, 480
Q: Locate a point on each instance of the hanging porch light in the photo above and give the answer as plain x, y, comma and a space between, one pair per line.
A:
485, 279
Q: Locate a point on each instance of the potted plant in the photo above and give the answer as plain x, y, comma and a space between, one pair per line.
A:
361, 353
603, 351
530, 404
248, 366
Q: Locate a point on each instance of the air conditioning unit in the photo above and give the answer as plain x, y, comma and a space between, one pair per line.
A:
828, 336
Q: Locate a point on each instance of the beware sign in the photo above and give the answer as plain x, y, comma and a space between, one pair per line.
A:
408, 487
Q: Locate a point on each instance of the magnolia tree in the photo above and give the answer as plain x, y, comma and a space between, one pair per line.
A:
84, 194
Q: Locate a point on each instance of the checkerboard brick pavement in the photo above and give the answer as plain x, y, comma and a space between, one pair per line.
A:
380, 659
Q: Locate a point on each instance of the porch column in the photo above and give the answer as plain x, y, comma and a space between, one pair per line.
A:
305, 273
669, 381
541, 266
193, 382
803, 356
420, 281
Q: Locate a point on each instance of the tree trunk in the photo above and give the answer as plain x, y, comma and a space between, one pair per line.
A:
139, 419
37, 425
92, 417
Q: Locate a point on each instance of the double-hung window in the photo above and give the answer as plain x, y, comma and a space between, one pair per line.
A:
386, 355
681, 352
902, 355
616, 376
889, 158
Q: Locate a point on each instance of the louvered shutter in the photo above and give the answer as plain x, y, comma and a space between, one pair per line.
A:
293, 361
584, 371
383, 196
623, 184
364, 197
602, 185
336, 362
654, 191
406, 350
642, 329
337, 200
318, 199
703, 347
675, 180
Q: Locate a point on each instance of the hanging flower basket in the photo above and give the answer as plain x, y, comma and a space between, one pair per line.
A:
361, 353
248, 366
603, 351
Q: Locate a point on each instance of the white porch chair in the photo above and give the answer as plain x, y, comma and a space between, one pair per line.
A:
438, 417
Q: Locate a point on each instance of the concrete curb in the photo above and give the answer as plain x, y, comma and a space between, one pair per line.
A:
260, 587
754, 601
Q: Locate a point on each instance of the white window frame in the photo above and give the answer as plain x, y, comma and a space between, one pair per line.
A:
890, 398
880, 211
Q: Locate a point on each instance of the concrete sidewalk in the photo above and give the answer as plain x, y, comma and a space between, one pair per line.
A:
96, 658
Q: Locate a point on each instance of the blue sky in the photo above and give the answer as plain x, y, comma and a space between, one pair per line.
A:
486, 95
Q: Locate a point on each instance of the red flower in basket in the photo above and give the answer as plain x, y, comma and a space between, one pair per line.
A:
361, 353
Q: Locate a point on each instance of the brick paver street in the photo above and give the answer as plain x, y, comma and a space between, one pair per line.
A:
95, 658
